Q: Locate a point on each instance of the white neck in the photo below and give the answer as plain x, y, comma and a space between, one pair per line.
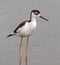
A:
33, 23
33, 18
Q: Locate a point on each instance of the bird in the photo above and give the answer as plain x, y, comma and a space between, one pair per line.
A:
26, 28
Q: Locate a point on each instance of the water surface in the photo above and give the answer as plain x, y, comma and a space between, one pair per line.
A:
44, 45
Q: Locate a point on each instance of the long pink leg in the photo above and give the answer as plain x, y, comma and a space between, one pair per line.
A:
20, 49
26, 60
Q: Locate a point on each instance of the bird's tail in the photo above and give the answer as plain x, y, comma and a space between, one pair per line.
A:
10, 35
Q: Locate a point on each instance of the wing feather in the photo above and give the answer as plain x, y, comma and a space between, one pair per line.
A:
20, 25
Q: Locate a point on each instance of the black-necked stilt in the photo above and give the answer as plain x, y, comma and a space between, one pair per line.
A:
25, 29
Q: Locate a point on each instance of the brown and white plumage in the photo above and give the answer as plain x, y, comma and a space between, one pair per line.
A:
27, 27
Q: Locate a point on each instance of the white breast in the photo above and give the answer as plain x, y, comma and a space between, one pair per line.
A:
27, 29
32, 25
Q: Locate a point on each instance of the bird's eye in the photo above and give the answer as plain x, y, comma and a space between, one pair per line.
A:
36, 13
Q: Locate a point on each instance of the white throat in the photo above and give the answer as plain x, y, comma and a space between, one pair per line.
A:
33, 23
33, 19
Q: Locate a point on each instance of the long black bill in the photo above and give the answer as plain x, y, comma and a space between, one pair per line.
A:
43, 18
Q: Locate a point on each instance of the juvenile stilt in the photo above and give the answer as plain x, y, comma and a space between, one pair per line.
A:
20, 50
26, 59
25, 29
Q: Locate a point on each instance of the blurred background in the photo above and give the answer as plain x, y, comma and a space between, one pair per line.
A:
44, 45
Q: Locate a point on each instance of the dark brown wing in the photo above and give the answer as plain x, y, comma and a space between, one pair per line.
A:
20, 25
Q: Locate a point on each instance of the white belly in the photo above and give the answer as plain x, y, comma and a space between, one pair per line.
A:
27, 29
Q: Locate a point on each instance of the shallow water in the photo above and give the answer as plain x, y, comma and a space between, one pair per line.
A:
44, 45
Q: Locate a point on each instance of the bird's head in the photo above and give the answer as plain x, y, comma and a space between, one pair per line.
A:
36, 13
